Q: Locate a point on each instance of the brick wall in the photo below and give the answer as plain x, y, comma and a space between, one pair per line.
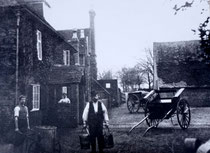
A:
196, 96
6, 116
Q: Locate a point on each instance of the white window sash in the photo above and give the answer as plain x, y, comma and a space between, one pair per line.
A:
66, 57
39, 44
64, 89
36, 98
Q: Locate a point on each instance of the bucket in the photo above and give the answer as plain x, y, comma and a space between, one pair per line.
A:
48, 135
84, 138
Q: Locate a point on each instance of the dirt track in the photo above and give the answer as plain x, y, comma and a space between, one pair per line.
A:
120, 117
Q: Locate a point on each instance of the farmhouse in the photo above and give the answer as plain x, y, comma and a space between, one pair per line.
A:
37, 61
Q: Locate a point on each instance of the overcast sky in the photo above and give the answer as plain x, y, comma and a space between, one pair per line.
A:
124, 28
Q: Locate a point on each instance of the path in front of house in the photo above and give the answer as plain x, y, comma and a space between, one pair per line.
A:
120, 117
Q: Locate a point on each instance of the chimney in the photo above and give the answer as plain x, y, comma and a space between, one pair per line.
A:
35, 5
75, 44
74, 36
82, 33
92, 31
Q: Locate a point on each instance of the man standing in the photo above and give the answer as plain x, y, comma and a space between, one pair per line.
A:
21, 124
21, 115
95, 113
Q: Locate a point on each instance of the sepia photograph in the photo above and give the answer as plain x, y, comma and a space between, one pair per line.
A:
104, 76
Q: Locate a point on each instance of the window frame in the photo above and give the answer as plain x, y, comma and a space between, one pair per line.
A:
36, 94
66, 57
64, 89
108, 85
39, 44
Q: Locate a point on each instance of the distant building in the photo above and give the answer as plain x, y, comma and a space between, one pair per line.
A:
83, 41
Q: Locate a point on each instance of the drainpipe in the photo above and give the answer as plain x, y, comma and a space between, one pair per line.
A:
17, 57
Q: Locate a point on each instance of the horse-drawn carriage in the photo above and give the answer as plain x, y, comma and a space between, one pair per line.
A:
164, 104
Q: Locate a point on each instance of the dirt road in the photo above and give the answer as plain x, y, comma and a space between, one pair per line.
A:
167, 138
120, 117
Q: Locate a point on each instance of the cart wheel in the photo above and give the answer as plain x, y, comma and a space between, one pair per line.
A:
150, 122
183, 114
34, 147
133, 103
57, 147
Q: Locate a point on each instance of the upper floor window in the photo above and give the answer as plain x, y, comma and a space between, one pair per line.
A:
64, 89
82, 60
66, 57
39, 44
108, 85
36, 97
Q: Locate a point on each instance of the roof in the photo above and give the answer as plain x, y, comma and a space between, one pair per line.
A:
65, 75
67, 34
8, 2
21, 3
178, 64
18, 2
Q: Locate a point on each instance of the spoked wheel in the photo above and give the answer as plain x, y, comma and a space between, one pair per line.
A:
35, 148
57, 147
183, 114
150, 122
133, 103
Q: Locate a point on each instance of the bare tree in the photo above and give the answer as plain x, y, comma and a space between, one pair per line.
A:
146, 66
105, 75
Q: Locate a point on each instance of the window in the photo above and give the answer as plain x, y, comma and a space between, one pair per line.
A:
36, 97
87, 44
108, 85
66, 57
39, 44
82, 33
82, 60
64, 89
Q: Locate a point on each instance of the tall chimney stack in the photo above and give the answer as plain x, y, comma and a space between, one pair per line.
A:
35, 5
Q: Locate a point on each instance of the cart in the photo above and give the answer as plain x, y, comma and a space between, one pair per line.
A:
135, 101
164, 104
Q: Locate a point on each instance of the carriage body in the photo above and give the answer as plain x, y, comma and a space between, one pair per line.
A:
164, 104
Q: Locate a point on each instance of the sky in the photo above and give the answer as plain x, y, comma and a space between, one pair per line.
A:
125, 28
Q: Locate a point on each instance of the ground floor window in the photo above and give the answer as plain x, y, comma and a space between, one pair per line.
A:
36, 97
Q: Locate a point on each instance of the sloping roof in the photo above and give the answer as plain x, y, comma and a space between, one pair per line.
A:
65, 75
179, 65
16, 2
7, 3
67, 34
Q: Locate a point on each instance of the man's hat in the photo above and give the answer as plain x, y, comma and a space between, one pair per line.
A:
93, 93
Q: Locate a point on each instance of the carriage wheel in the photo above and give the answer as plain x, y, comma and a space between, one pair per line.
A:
57, 147
183, 114
34, 147
150, 122
133, 103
